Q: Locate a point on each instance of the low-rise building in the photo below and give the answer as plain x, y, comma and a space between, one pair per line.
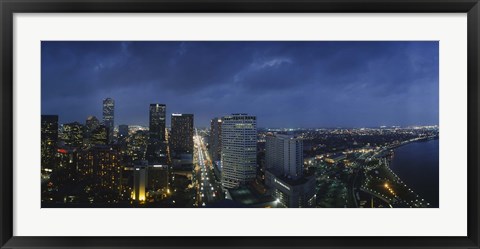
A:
291, 193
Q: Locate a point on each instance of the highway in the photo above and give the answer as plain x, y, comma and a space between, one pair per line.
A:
208, 189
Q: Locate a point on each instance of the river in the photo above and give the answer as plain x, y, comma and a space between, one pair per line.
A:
417, 165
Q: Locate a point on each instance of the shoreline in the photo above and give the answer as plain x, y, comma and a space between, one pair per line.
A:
418, 140
411, 181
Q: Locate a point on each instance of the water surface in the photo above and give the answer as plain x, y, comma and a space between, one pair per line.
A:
417, 165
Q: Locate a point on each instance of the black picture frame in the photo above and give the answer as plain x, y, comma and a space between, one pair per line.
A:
9, 7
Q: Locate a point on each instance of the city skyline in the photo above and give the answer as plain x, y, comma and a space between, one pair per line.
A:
381, 83
169, 119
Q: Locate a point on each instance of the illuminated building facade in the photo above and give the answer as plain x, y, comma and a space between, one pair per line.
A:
157, 122
150, 182
90, 125
99, 136
298, 193
215, 139
49, 137
140, 175
103, 164
108, 117
73, 134
137, 146
239, 150
181, 138
67, 166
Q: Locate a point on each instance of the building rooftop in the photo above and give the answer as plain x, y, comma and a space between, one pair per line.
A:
289, 181
246, 196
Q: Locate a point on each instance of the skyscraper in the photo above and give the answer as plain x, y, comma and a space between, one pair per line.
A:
99, 136
239, 150
49, 137
137, 147
108, 117
215, 139
157, 122
284, 154
181, 138
91, 124
73, 134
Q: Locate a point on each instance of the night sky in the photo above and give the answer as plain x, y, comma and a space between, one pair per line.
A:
285, 84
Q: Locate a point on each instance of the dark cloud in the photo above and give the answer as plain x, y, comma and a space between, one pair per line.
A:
308, 84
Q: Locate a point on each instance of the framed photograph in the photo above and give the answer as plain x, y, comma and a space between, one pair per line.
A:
253, 124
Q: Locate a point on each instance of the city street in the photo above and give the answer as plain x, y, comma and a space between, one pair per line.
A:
208, 188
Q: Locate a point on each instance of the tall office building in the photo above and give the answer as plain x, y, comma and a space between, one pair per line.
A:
284, 154
215, 139
239, 150
91, 124
108, 117
157, 122
99, 136
49, 136
73, 134
137, 146
181, 138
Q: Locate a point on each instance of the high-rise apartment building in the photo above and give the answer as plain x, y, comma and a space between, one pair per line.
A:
49, 137
157, 122
215, 139
102, 162
239, 150
284, 172
284, 154
108, 117
181, 138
